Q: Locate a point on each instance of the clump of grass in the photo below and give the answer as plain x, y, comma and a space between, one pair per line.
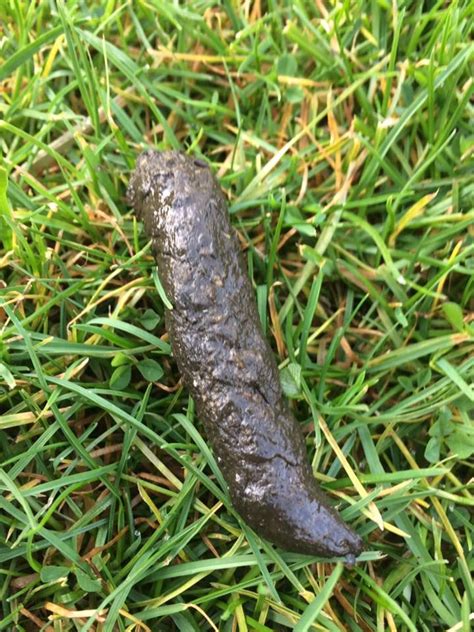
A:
342, 133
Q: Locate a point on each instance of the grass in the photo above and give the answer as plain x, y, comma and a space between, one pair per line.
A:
342, 134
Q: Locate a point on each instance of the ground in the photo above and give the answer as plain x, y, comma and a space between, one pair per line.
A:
342, 135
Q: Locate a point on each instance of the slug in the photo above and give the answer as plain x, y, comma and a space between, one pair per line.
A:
225, 361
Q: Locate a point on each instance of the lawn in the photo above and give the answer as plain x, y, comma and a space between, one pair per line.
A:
342, 134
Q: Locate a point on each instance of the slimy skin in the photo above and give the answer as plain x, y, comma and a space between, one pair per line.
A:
225, 360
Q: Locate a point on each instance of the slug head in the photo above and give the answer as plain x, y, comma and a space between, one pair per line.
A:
168, 181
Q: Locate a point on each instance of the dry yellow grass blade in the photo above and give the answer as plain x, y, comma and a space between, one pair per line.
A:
414, 211
66, 613
374, 513
442, 281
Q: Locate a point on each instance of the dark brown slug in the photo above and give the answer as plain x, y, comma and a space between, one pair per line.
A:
226, 362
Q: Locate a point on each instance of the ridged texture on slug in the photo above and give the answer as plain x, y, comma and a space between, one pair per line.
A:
225, 361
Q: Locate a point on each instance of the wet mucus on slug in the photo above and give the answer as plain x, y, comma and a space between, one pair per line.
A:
225, 360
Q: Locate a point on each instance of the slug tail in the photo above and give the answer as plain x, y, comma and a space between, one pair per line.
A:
285, 505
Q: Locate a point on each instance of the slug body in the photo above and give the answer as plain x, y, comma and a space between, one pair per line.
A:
226, 362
